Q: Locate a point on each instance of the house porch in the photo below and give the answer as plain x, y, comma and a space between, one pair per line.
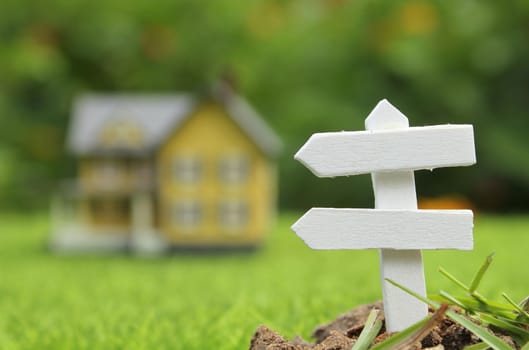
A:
99, 223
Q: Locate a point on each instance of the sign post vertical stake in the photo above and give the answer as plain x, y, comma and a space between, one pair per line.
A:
396, 190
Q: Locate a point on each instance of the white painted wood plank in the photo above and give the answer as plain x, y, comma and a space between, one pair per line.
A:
360, 152
397, 190
394, 190
402, 310
386, 116
328, 228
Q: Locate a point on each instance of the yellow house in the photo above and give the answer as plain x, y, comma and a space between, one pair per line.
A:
162, 171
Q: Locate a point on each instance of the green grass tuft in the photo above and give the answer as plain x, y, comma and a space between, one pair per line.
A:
508, 318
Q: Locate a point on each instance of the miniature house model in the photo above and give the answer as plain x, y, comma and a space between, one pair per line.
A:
161, 171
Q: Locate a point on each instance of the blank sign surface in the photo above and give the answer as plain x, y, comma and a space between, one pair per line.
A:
326, 228
360, 152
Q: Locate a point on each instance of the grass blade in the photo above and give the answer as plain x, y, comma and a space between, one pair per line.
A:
427, 301
525, 304
424, 330
477, 306
516, 306
478, 346
516, 322
489, 338
507, 325
453, 279
460, 284
479, 275
453, 300
398, 338
481, 308
370, 331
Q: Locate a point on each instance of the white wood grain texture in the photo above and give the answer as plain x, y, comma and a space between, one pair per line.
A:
361, 152
397, 190
328, 228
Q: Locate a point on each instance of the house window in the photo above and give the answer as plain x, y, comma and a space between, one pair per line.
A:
187, 169
109, 169
233, 214
121, 134
187, 214
234, 169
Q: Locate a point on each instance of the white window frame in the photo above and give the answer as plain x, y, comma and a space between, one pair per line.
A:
187, 215
234, 169
233, 215
187, 169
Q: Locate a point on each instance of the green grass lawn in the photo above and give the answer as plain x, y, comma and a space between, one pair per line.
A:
211, 301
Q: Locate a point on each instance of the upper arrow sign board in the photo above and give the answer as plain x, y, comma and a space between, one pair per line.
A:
360, 152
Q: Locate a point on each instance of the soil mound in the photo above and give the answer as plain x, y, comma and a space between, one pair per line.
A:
342, 333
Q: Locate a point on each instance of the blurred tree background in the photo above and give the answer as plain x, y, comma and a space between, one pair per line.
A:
307, 66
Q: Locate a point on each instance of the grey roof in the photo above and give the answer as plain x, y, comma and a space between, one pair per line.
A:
157, 116
255, 127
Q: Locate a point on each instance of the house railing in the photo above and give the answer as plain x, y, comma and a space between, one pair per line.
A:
75, 225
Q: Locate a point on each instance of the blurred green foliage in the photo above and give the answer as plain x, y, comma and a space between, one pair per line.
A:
307, 66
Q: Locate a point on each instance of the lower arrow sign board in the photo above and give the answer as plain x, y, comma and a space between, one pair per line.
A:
326, 228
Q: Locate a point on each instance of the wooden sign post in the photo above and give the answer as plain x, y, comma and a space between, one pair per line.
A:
390, 150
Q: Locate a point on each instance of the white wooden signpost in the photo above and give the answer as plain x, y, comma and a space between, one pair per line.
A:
390, 150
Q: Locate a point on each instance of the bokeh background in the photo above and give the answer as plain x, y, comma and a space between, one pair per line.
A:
307, 66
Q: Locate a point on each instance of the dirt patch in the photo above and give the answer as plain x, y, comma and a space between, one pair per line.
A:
343, 332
